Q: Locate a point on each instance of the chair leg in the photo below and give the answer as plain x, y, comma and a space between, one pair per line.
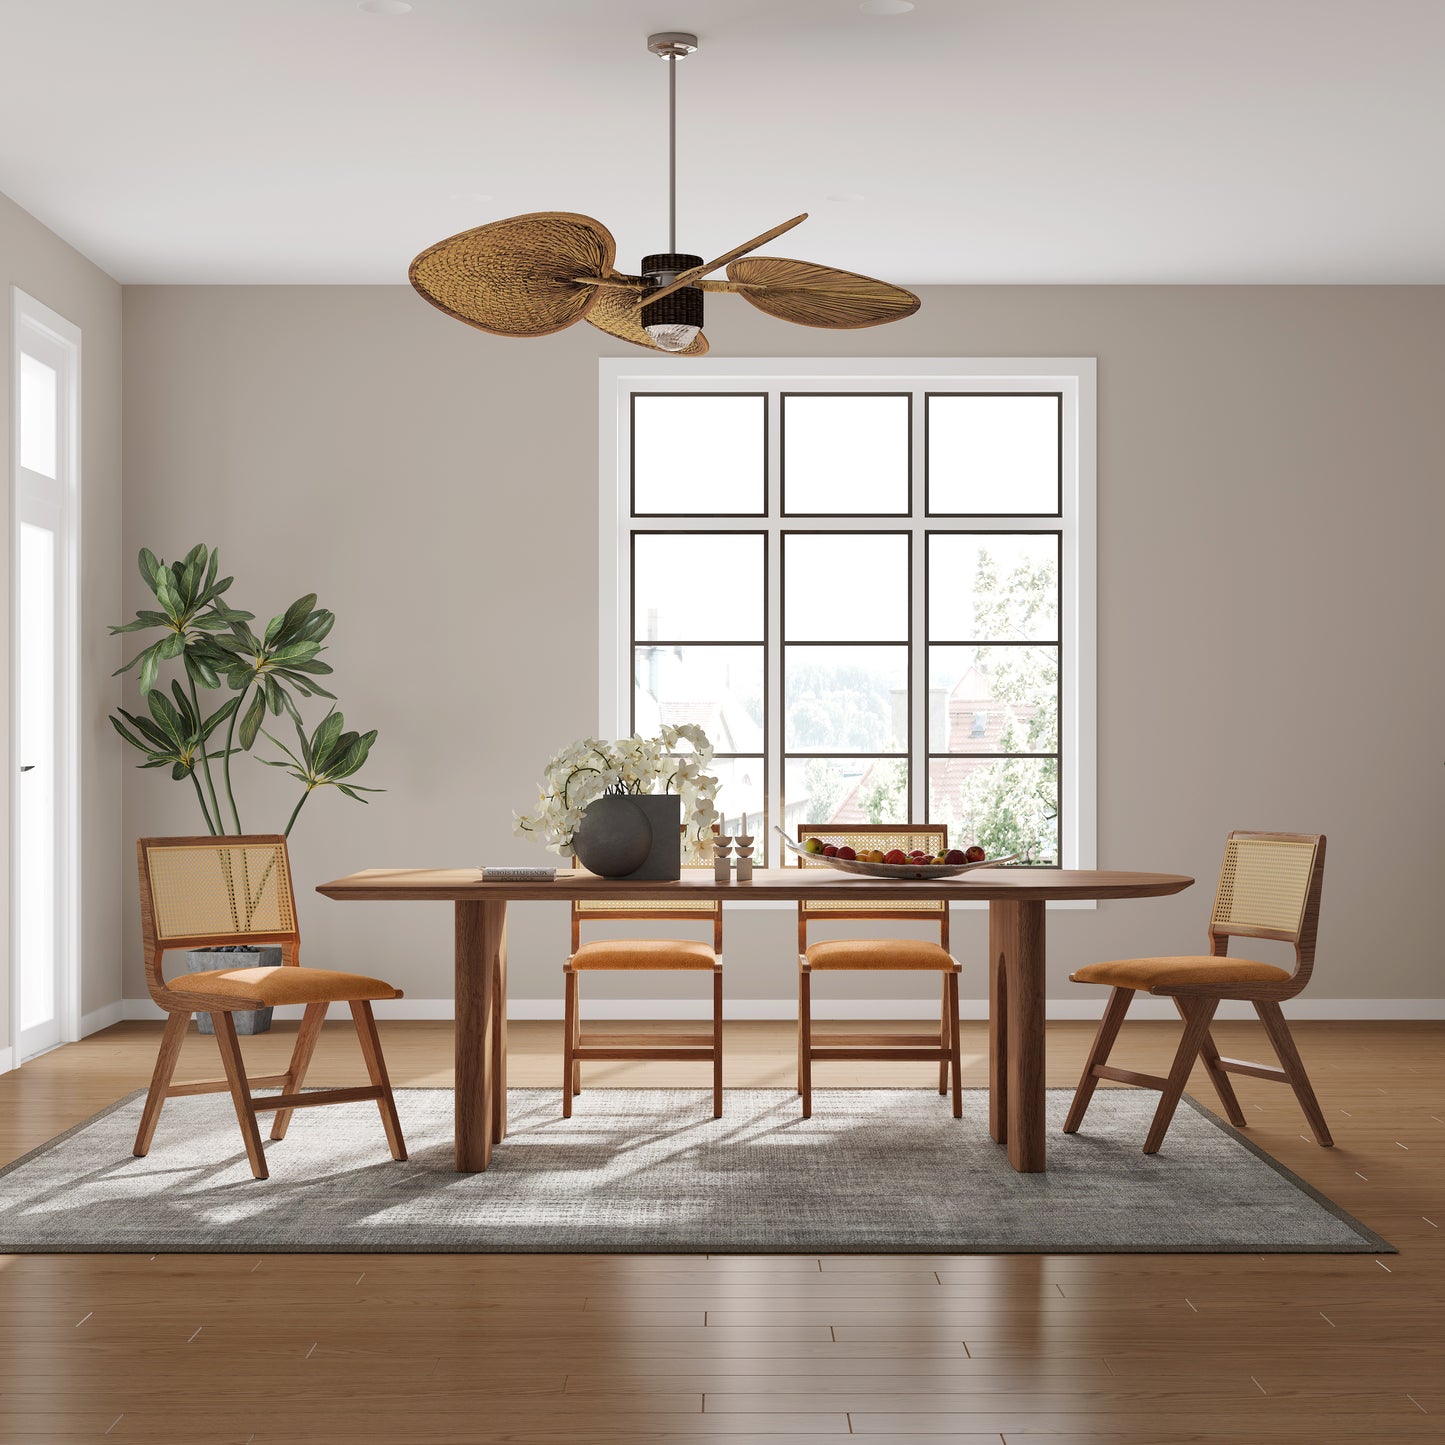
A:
569, 1039
943, 1041
1209, 1057
1272, 1017
800, 1028
955, 1048
1197, 1016
365, 1021
717, 1042
306, 1037
230, 1049
171, 1041
805, 1038
1103, 1044
577, 1035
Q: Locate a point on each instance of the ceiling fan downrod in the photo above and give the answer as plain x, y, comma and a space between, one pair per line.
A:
674, 321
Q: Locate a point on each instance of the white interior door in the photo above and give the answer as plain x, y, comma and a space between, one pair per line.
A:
43, 883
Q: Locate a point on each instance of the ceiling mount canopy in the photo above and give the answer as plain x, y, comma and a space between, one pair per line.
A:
535, 274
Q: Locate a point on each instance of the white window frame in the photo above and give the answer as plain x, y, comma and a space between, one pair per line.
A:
1074, 378
50, 333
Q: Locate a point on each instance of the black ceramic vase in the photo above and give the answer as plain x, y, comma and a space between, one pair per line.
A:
614, 839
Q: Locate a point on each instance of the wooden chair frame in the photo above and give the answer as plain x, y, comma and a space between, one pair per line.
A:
1197, 1003
578, 1048
944, 1047
180, 1004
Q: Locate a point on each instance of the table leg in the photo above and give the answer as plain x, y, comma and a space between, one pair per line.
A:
1022, 928
499, 1041
997, 1027
479, 929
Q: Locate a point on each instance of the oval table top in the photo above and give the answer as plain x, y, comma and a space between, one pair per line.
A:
465, 885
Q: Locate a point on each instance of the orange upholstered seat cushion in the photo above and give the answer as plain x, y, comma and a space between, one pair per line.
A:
259, 987
1160, 972
879, 953
644, 953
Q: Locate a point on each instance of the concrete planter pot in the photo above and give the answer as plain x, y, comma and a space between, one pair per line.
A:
664, 815
205, 960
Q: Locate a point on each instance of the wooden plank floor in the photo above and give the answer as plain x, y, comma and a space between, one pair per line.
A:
1130, 1350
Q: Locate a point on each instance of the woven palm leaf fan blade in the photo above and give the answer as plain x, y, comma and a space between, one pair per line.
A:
812, 295
616, 312
519, 277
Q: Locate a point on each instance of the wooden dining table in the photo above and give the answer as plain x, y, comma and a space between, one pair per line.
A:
1016, 899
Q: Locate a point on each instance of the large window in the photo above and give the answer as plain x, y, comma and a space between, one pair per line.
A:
870, 582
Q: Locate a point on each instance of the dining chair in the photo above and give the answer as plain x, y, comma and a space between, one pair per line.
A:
1269, 887
214, 892
912, 955
630, 955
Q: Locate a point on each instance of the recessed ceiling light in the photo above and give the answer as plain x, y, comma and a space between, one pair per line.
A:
847, 196
394, 7
886, 7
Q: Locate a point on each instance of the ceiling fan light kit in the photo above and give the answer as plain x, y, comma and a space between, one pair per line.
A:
535, 274
675, 320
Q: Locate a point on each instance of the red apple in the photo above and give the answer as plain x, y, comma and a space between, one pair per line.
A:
846, 854
975, 854
830, 850
895, 855
956, 856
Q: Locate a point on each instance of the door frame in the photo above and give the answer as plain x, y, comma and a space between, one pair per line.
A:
30, 318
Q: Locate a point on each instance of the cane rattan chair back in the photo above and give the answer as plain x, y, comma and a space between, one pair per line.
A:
696, 853
932, 838
212, 892
1269, 887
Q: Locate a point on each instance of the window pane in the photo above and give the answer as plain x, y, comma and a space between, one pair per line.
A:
844, 790
699, 454
993, 587
698, 587
845, 699
742, 794
845, 587
718, 688
845, 455
993, 454
993, 699
38, 416
1005, 805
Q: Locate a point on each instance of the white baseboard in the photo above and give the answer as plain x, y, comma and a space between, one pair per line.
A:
103, 1018
1353, 1009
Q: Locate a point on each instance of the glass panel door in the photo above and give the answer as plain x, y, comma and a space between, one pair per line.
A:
36, 874
44, 516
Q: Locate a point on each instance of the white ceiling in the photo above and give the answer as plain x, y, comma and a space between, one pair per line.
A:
989, 140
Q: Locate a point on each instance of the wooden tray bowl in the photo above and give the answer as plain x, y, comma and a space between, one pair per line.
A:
891, 870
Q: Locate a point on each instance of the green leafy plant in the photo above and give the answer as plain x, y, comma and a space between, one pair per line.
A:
327, 756
215, 643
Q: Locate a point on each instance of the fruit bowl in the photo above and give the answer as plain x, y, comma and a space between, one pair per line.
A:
891, 870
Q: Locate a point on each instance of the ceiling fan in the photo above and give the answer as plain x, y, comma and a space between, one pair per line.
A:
539, 273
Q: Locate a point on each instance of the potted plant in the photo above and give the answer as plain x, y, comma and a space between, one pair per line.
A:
620, 805
214, 646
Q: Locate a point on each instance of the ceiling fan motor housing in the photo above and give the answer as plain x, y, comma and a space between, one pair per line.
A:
684, 306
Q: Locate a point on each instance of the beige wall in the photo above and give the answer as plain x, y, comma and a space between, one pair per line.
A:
42, 265
1271, 514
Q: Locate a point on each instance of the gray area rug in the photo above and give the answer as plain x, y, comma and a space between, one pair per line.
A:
876, 1171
